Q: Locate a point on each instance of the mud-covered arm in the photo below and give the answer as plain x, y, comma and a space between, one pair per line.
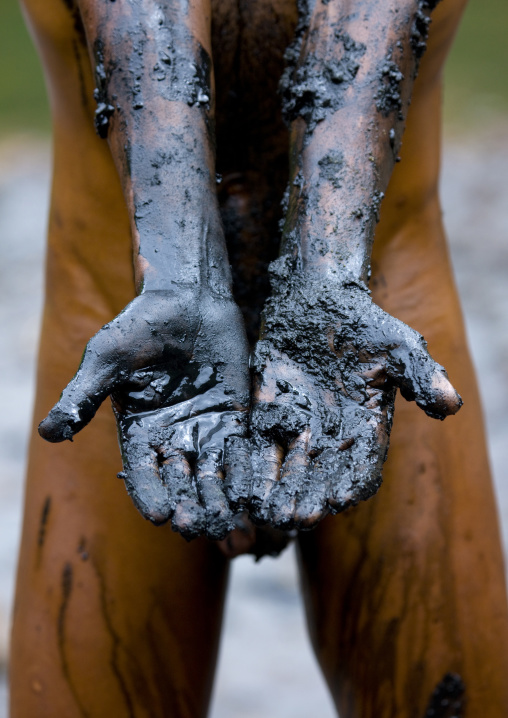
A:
346, 91
175, 360
154, 85
329, 360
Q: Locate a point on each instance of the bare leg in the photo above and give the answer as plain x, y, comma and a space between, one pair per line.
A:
409, 587
113, 617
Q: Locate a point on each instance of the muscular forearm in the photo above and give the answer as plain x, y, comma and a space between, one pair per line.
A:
329, 359
155, 107
346, 92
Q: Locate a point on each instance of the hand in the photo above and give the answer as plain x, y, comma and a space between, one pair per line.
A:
326, 371
175, 364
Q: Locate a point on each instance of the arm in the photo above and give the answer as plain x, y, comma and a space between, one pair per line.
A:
154, 98
175, 360
329, 360
346, 92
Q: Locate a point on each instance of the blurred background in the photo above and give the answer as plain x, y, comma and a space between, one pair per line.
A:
264, 606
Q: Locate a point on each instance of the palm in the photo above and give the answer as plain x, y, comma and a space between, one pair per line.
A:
176, 367
326, 372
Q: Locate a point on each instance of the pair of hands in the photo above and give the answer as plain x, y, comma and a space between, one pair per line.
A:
197, 449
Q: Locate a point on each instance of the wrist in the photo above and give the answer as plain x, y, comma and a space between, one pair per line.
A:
185, 253
288, 273
331, 232
303, 306
189, 293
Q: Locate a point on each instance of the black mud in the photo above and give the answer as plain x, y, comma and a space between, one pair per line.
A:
420, 29
331, 167
179, 384
41, 536
333, 359
170, 64
312, 86
388, 98
309, 336
448, 699
104, 107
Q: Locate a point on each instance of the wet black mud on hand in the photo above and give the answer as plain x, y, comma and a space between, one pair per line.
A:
326, 370
175, 364
355, 332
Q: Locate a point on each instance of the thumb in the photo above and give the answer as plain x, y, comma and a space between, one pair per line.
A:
78, 404
419, 377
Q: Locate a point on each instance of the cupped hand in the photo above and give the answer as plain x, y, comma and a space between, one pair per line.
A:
325, 375
175, 364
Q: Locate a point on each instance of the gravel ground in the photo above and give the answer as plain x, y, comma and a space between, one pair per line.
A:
264, 607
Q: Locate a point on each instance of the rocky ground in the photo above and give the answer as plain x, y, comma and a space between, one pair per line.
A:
264, 607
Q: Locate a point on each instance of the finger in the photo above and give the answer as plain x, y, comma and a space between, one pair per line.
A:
241, 540
354, 474
188, 516
418, 376
283, 495
209, 480
266, 462
144, 484
335, 470
312, 501
83, 395
259, 541
238, 472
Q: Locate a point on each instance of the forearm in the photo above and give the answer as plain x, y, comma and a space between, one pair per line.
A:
346, 93
155, 107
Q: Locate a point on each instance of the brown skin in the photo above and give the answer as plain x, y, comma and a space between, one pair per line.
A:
117, 617
412, 559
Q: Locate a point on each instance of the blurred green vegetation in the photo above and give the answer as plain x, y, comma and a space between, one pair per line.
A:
23, 102
476, 84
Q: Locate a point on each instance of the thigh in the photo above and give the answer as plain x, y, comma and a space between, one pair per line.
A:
405, 594
113, 616
409, 587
